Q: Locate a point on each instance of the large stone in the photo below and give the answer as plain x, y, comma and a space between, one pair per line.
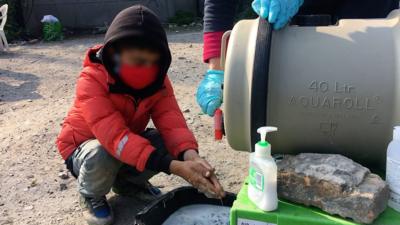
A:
334, 183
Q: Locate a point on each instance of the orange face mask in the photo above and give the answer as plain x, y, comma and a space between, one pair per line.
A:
138, 77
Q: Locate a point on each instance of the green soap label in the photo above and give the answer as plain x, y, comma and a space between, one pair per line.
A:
256, 179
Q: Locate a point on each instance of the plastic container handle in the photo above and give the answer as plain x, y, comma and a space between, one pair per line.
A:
259, 84
224, 45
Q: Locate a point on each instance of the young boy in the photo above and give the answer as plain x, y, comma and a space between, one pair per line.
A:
104, 139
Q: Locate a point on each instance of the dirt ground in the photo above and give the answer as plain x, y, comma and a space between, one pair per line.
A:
37, 85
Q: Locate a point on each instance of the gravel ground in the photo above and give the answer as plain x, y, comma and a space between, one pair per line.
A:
37, 84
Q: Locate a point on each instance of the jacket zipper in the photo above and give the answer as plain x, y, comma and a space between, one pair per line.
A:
136, 103
135, 107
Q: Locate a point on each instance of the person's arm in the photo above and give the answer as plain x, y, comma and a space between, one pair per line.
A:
108, 125
169, 120
218, 18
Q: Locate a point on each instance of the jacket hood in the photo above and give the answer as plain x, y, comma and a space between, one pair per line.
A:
136, 22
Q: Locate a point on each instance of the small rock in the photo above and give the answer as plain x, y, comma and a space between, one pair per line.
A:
63, 186
29, 207
334, 183
181, 58
186, 111
30, 176
63, 175
33, 183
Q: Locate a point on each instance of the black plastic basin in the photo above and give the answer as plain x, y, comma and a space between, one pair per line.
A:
159, 210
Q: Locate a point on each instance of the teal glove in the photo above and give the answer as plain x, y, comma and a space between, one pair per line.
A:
209, 92
278, 12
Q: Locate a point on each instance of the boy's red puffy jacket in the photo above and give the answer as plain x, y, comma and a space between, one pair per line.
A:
105, 108
117, 119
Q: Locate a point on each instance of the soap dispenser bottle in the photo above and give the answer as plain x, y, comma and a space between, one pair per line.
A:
392, 170
262, 189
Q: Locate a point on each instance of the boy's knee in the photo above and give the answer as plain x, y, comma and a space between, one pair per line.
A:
98, 171
94, 158
101, 158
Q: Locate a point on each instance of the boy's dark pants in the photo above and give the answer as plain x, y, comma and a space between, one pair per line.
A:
97, 171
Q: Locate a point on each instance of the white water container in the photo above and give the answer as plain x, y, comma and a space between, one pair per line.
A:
263, 174
392, 170
327, 86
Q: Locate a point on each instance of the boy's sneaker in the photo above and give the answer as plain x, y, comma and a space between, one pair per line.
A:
96, 211
145, 192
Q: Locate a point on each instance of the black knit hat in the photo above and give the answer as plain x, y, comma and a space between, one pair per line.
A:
137, 22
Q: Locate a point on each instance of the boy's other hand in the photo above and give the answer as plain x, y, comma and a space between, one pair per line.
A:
196, 173
192, 155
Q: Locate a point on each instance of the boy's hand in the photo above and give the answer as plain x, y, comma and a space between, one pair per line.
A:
196, 173
192, 155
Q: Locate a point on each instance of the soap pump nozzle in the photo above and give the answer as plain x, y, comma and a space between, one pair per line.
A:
264, 130
262, 147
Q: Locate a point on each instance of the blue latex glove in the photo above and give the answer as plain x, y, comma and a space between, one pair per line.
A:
278, 12
209, 92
